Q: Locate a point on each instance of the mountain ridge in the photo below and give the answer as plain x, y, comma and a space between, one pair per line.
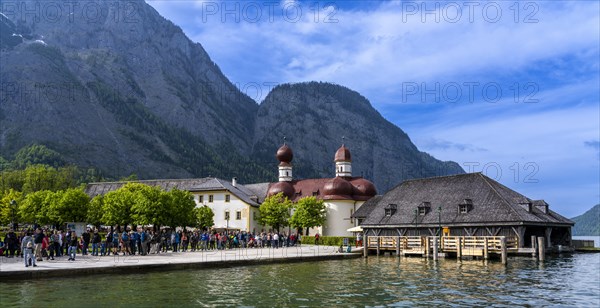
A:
143, 98
588, 223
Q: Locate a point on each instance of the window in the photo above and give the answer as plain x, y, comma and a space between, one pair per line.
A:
390, 209
238, 215
226, 215
424, 208
210, 198
466, 206
254, 216
201, 199
227, 197
351, 218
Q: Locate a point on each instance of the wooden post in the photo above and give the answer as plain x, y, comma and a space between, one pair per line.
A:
397, 246
533, 246
458, 247
503, 248
365, 245
435, 248
542, 248
378, 244
485, 248
427, 246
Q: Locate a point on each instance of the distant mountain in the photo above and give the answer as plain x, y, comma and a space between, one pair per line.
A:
130, 93
588, 224
315, 116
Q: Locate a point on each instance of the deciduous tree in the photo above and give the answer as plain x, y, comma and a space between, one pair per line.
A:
275, 211
309, 213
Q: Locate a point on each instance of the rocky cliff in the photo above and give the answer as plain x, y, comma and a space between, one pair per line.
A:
124, 90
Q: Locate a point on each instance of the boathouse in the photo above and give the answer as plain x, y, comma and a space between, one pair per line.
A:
466, 205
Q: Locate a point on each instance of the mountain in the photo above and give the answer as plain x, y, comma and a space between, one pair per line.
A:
588, 223
126, 91
316, 118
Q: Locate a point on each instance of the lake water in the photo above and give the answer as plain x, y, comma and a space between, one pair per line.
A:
572, 280
596, 239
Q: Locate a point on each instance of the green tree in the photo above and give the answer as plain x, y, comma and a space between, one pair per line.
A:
275, 211
72, 205
182, 208
37, 154
35, 206
95, 210
117, 206
8, 211
149, 206
205, 217
309, 213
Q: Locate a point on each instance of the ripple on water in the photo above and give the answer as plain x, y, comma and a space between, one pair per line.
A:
385, 281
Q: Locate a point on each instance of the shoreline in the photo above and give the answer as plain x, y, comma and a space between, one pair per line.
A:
13, 269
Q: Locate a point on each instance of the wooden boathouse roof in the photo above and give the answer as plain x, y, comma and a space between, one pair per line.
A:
486, 202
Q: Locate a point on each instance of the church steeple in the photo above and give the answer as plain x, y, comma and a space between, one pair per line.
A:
343, 162
285, 156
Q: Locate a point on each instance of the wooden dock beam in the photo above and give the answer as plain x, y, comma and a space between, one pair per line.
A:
542, 248
533, 247
427, 247
503, 249
397, 246
365, 245
485, 248
435, 248
378, 245
459, 248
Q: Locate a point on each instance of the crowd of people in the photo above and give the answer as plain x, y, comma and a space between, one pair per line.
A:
39, 244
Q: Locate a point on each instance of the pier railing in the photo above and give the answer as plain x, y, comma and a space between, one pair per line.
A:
465, 245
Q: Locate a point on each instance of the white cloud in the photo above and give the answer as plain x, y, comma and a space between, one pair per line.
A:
374, 48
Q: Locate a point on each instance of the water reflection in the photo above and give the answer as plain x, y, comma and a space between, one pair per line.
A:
564, 281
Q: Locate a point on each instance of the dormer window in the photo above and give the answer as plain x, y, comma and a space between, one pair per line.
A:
465, 206
390, 209
424, 208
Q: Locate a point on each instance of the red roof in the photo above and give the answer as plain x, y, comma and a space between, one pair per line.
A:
342, 154
318, 189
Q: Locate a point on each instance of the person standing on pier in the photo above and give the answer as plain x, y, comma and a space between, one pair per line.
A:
12, 243
85, 242
38, 240
27, 249
96, 240
73, 244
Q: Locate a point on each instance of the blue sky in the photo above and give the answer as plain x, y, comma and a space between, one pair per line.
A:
508, 89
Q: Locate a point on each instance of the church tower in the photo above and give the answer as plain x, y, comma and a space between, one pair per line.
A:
343, 162
285, 156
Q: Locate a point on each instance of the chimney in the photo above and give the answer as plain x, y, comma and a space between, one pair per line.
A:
234, 182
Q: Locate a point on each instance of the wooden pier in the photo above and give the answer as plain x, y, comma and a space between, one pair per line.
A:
460, 246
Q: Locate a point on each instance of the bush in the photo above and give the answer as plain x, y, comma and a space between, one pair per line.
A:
329, 240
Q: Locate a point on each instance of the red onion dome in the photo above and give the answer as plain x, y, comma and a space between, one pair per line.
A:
337, 188
343, 154
282, 187
363, 188
285, 154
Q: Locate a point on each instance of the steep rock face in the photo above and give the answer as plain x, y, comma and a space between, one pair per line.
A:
124, 90
317, 117
103, 88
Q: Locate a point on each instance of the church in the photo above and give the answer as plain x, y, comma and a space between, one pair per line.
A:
342, 195
236, 206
